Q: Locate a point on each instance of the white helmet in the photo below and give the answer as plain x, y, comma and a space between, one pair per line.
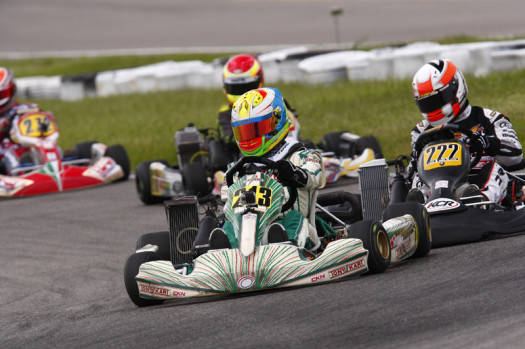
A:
440, 91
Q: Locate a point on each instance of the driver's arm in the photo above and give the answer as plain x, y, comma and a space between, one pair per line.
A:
311, 162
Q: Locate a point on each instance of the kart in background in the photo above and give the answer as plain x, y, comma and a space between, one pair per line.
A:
443, 165
203, 157
178, 264
41, 167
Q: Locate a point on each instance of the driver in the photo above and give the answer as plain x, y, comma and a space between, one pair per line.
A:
10, 153
260, 125
440, 91
242, 73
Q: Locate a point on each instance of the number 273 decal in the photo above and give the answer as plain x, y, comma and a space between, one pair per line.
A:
443, 154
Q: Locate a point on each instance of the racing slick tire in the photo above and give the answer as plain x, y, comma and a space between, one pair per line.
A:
118, 153
143, 183
83, 150
195, 179
420, 214
369, 142
161, 239
375, 240
330, 142
131, 270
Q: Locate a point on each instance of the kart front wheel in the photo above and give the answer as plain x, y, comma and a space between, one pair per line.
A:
143, 183
195, 179
420, 215
368, 142
119, 154
161, 239
130, 272
375, 240
83, 150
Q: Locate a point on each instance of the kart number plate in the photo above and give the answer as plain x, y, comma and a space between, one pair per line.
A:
441, 155
36, 125
263, 196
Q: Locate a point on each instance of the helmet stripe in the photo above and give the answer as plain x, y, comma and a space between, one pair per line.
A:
425, 87
449, 73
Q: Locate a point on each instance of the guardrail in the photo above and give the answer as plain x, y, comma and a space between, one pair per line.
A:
294, 64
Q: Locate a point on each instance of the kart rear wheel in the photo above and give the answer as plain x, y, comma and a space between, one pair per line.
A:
375, 240
420, 214
368, 142
160, 239
131, 270
195, 179
119, 154
143, 183
83, 150
330, 142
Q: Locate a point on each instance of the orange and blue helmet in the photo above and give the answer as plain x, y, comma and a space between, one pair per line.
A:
259, 121
240, 74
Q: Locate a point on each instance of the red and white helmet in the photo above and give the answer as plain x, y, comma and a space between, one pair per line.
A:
7, 89
241, 73
440, 91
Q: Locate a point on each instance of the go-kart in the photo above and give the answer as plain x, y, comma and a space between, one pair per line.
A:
40, 166
444, 162
343, 152
178, 263
203, 156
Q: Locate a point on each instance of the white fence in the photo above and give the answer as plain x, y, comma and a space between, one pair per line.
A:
295, 64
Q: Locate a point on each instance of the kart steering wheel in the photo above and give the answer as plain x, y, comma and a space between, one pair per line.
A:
475, 148
270, 164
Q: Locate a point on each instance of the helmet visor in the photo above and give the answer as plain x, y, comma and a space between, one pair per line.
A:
437, 99
238, 86
255, 128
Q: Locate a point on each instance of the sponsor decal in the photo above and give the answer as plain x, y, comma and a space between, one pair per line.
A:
246, 282
347, 269
153, 290
441, 184
318, 278
396, 241
441, 205
179, 293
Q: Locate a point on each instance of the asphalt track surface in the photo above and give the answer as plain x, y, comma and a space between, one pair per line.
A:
62, 286
35, 26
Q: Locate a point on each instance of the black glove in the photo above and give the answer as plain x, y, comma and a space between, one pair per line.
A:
288, 173
490, 144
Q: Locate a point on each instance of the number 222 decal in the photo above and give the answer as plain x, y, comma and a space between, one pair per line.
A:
443, 154
263, 196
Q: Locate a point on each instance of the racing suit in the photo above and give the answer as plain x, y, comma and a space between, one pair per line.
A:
10, 152
505, 149
299, 222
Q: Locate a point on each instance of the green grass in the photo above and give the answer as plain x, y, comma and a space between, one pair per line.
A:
145, 123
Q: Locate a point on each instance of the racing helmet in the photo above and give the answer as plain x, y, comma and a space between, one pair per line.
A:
240, 74
259, 121
7, 89
440, 91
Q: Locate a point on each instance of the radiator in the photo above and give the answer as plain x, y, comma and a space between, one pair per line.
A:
183, 219
375, 188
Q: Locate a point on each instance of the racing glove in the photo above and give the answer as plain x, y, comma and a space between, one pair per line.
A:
490, 144
288, 173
